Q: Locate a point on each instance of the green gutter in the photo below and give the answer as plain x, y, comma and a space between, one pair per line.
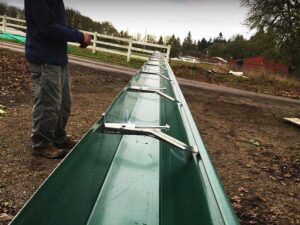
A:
143, 162
203, 160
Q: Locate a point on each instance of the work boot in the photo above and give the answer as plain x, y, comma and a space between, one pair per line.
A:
49, 151
68, 144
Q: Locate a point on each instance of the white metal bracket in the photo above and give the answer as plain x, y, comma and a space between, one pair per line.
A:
157, 74
151, 90
152, 131
150, 64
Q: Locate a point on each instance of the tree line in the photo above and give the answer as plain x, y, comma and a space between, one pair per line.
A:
237, 47
280, 19
277, 24
277, 38
11, 11
74, 19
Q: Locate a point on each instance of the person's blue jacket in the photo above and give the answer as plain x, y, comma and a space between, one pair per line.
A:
47, 32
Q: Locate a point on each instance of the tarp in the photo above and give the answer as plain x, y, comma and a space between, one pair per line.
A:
16, 38
12, 37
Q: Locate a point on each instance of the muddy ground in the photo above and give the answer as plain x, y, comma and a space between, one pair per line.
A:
256, 154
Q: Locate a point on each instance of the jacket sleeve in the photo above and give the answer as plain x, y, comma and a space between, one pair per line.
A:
47, 25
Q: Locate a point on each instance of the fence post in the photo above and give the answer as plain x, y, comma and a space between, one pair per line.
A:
4, 21
168, 52
129, 50
95, 42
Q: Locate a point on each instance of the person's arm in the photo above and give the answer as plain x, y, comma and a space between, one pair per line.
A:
45, 21
86, 38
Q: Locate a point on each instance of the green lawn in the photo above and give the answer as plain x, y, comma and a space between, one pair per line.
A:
105, 57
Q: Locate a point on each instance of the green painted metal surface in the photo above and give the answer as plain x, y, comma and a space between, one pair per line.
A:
113, 178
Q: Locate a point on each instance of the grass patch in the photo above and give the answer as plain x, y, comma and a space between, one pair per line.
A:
11, 41
205, 66
105, 57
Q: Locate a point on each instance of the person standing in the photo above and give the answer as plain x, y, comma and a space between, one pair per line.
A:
46, 52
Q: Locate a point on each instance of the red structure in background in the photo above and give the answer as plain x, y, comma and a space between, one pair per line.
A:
260, 62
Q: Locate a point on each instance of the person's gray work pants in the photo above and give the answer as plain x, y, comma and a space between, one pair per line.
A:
52, 104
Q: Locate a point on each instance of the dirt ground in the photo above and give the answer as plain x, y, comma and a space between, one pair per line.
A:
256, 154
261, 81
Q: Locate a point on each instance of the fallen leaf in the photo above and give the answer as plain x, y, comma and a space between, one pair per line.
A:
284, 184
256, 143
236, 199
252, 213
242, 189
236, 206
5, 217
2, 112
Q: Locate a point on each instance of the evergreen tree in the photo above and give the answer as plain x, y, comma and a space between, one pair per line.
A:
175, 46
219, 39
12, 11
187, 45
160, 41
3, 7
202, 45
237, 48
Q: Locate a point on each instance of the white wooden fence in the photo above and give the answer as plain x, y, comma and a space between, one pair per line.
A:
100, 42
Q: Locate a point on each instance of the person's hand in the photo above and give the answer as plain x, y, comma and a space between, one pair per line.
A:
87, 40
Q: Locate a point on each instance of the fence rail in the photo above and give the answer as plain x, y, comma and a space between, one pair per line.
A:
100, 42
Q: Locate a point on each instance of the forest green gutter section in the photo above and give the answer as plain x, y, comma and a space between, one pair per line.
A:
203, 160
135, 165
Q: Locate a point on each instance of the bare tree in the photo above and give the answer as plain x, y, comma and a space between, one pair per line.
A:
281, 17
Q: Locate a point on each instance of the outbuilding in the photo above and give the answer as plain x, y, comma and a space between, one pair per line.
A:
260, 62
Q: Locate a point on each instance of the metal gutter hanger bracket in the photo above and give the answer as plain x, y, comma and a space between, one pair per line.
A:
151, 90
157, 74
150, 64
152, 131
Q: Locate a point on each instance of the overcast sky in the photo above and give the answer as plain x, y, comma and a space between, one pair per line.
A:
204, 18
